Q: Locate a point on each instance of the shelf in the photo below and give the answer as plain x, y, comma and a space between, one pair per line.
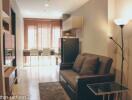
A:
6, 25
5, 15
9, 70
6, 31
7, 20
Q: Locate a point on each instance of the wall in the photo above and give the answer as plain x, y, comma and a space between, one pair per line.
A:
94, 36
19, 34
122, 9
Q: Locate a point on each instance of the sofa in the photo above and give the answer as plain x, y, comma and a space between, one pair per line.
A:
87, 69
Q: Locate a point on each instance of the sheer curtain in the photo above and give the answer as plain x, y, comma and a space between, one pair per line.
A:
41, 34
32, 33
56, 30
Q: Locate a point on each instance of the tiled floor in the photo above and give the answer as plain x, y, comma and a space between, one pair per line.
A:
29, 77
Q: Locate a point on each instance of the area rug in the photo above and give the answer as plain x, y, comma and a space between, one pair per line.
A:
52, 91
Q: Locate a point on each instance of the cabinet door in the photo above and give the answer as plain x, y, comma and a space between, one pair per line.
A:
67, 25
70, 50
8, 41
74, 22
12, 41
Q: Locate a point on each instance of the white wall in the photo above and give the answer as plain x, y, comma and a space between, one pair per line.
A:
94, 36
122, 9
19, 34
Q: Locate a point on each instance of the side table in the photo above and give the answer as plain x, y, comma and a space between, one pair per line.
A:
103, 89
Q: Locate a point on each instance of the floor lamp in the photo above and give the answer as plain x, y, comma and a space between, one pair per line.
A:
121, 23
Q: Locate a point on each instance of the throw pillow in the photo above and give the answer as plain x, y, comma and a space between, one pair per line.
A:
105, 65
89, 66
78, 63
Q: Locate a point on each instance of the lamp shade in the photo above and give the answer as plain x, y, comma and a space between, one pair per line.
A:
121, 21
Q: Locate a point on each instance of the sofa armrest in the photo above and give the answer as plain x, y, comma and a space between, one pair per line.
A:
64, 66
96, 78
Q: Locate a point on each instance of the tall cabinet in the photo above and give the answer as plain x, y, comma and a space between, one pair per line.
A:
70, 41
7, 49
4, 27
69, 50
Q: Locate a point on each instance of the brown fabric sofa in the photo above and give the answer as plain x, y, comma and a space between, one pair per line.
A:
87, 69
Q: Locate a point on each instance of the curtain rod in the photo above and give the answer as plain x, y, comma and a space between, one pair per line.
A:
37, 19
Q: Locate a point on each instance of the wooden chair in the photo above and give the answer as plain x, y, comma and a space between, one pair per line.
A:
33, 53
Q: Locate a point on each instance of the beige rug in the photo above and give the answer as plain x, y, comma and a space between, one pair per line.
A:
52, 91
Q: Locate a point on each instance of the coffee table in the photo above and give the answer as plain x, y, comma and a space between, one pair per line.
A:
107, 89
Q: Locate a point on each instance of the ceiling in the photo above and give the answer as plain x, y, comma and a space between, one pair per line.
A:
37, 8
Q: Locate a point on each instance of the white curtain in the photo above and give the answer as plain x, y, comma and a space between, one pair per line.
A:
39, 37
42, 34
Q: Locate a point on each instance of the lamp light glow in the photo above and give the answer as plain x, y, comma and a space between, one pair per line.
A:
121, 21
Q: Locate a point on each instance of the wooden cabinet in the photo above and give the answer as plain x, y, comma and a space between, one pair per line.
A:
10, 79
4, 27
7, 75
74, 22
6, 21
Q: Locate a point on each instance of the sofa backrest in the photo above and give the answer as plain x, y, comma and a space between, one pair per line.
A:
104, 63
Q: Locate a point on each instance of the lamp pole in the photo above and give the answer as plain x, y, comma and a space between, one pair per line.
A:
122, 54
121, 22
122, 50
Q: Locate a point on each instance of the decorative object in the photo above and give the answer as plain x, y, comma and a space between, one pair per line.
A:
121, 23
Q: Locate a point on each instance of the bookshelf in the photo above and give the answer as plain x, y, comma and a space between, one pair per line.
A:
6, 42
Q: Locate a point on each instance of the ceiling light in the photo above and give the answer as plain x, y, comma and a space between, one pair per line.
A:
46, 5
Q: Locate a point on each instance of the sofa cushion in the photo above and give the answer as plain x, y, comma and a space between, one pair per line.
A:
71, 77
89, 66
104, 63
78, 63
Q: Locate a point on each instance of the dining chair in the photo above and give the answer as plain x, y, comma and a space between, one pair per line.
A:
46, 52
34, 53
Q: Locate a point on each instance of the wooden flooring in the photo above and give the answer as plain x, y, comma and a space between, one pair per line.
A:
29, 77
